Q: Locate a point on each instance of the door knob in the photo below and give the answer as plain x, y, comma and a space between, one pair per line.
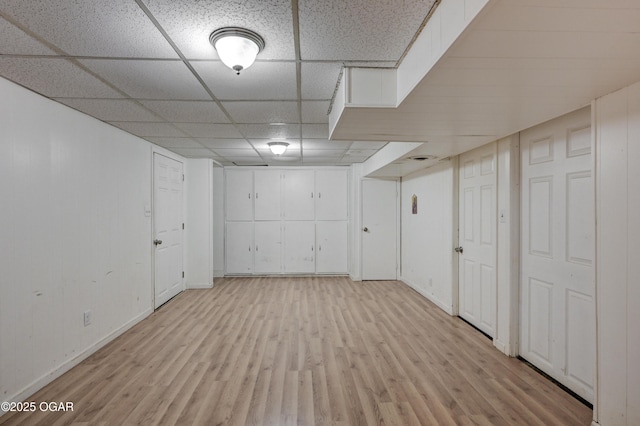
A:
365, 229
157, 242
458, 250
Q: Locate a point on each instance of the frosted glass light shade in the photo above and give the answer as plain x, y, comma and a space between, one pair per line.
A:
236, 47
278, 148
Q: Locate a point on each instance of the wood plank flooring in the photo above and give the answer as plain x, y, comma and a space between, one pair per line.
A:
306, 351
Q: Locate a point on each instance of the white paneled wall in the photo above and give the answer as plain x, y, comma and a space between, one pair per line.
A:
443, 28
74, 237
617, 119
199, 232
427, 237
218, 221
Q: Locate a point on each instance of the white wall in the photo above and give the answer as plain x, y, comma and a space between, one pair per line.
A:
199, 224
73, 237
355, 222
218, 221
427, 238
617, 118
508, 249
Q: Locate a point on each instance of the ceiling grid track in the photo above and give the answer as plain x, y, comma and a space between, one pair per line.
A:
155, 22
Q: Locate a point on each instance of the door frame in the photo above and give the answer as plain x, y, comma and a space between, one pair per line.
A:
507, 303
358, 227
165, 153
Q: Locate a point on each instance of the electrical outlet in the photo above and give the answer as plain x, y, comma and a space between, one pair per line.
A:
88, 316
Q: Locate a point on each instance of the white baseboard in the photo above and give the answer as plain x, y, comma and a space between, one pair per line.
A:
49, 377
444, 307
501, 347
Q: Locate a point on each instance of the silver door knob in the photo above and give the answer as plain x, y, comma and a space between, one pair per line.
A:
365, 229
458, 250
157, 242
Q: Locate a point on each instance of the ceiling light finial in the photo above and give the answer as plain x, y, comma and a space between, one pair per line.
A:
278, 148
237, 47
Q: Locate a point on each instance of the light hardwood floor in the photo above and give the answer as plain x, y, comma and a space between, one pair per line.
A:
324, 351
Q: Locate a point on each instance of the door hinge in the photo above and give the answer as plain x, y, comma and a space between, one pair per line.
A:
182, 274
183, 226
183, 177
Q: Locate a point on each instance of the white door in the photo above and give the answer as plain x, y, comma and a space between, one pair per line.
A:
557, 311
239, 248
299, 247
268, 247
239, 194
299, 193
379, 229
477, 238
267, 194
167, 221
331, 195
331, 247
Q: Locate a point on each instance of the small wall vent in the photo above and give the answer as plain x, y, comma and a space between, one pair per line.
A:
422, 157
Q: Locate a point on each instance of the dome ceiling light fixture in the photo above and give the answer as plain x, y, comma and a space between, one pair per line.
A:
278, 148
237, 47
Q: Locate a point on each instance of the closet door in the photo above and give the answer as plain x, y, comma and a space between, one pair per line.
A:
331, 247
557, 289
268, 247
267, 194
299, 247
331, 195
239, 248
239, 194
299, 194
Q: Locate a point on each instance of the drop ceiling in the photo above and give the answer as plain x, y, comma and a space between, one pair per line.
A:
146, 67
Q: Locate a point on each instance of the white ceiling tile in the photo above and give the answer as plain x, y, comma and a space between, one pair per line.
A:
319, 80
188, 111
353, 30
367, 145
15, 41
236, 153
207, 130
325, 144
194, 153
92, 27
322, 153
54, 77
111, 109
262, 81
263, 112
175, 142
148, 129
224, 143
149, 79
370, 64
266, 131
189, 24
315, 131
315, 111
